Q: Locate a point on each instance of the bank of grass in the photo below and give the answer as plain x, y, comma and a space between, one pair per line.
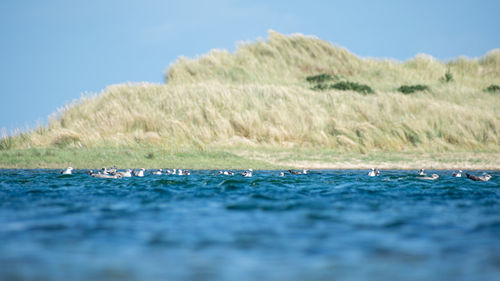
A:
240, 158
124, 157
259, 96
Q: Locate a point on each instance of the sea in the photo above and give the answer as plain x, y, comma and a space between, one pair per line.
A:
323, 225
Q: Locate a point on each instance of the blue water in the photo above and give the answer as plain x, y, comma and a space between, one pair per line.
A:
327, 225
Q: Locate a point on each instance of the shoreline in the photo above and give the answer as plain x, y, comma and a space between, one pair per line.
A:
264, 158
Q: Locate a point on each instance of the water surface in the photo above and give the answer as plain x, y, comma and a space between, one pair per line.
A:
327, 225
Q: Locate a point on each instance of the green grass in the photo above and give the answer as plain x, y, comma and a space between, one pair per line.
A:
134, 157
240, 158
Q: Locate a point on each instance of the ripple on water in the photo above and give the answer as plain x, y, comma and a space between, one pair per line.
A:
321, 226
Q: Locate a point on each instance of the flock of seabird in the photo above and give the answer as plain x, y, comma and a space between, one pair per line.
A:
113, 173
423, 176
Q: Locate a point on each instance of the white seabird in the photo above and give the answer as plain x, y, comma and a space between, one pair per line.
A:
67, 171
247, 173
432, 177
126, 174
139, 173
458, 174
373, 172
107, 176
158, 172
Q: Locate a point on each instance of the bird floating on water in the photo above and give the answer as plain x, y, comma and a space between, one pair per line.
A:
67, 171
107, 176
181, 172
432, 177
247, 173
170, 172
139, 173
484, 177
458, 174
373, 172
303, 172
126, 174
158, 172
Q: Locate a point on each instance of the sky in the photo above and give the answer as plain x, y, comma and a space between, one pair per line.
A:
52, 52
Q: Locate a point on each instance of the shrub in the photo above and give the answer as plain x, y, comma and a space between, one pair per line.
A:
448, 77
408, 89
321, 78
321, 87
352, 86
492, 88
345, 86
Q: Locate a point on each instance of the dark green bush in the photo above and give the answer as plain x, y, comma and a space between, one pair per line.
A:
492, 88
352, 86
321, 78
408, 89
321, 87
345, 86
448, 77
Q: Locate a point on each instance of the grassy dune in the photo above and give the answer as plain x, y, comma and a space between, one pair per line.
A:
258, 97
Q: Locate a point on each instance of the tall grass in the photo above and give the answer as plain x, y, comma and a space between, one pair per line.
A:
259, 96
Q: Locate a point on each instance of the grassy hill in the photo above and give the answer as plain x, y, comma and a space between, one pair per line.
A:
259, 96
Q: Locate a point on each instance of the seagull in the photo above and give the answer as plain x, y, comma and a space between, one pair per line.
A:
181, 172
126, 174
373, 172
112, 170
157, 172
484, 177
247, 174
304, 172
139, 173
458, 174
106, 176
433, 177
67, 171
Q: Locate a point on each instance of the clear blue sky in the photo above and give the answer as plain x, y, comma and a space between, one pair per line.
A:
52, 51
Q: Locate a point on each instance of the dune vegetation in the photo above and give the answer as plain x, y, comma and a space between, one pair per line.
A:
260, 96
